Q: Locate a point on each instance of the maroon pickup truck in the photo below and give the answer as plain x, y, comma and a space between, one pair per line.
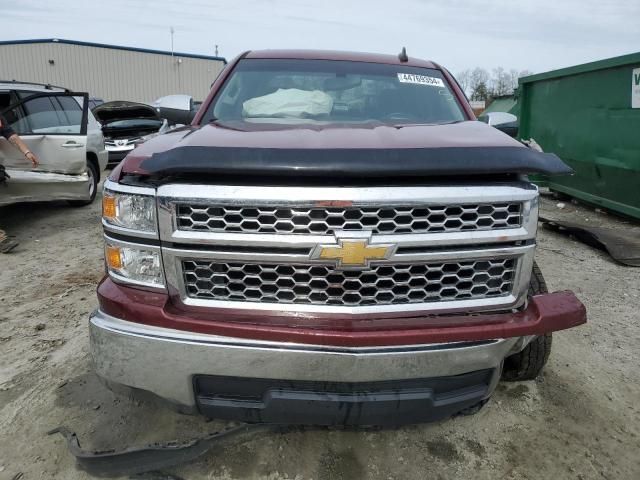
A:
333, 240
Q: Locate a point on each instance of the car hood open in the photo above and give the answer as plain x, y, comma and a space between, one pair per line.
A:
123, 110
463, 148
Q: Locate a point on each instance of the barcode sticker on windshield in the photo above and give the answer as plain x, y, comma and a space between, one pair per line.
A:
420, 79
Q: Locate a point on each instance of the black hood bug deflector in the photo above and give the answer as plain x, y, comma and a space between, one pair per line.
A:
353, 162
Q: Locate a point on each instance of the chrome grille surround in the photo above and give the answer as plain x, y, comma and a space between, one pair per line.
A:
283, 219
326, 285
512, 246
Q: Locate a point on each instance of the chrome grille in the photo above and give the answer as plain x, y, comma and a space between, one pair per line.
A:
325, 285
326, 220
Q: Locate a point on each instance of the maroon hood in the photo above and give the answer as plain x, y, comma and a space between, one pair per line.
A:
462, 134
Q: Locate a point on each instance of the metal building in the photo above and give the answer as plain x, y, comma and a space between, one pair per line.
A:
109, 72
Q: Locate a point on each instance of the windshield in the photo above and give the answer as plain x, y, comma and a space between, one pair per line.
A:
327, 92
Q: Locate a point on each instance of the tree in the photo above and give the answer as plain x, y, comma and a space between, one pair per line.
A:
480, 92
464, 80
500, 83
522, 73
478, 84
513, 79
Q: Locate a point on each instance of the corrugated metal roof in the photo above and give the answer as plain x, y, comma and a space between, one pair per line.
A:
502, 104
113, 47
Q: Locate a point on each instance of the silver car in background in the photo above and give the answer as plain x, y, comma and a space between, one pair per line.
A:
58, 127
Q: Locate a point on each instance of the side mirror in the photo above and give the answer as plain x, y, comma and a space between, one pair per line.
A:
503, 121
176, 108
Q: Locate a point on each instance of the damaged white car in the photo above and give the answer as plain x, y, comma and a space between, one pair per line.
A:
57, 126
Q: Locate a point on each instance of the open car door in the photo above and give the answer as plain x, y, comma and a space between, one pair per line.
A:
54, 127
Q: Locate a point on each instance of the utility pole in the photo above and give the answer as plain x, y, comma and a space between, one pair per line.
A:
174, 65
171, 30
216, 50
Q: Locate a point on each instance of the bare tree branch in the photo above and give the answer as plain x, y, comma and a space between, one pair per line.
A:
478, 84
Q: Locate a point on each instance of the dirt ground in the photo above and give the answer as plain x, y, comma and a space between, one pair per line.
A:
580, 420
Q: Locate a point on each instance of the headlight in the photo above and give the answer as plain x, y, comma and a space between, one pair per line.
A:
131, 211
134, 264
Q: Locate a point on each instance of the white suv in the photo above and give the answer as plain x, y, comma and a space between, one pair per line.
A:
58, 127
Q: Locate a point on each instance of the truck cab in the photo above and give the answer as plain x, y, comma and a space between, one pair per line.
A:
333, 240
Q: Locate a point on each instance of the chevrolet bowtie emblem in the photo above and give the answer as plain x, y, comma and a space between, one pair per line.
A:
353, 252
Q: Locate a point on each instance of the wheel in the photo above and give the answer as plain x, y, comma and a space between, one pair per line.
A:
527, 364
94, 178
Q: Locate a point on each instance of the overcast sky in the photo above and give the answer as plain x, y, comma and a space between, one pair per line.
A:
535, 35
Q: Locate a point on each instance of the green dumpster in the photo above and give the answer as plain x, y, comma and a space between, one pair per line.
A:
589, 115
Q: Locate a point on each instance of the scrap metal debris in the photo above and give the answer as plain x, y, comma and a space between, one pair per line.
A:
153, 457
623, 247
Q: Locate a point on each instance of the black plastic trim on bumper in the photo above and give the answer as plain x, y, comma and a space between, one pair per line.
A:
388, 403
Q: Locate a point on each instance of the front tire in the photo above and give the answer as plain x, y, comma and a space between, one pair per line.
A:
94, 178
527, 364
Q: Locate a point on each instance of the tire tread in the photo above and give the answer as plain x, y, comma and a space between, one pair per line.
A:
527, 364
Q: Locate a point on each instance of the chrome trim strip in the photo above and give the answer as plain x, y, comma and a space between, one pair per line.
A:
404, 240
110, 228
426, 256
458, 306
467, 254
124, 243
128, 281
360, 196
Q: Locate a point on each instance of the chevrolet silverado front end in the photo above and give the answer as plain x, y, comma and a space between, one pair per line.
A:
334, 240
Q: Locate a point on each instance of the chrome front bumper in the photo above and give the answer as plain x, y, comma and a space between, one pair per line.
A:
164, 361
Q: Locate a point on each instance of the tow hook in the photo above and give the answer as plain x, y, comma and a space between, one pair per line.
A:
153, 457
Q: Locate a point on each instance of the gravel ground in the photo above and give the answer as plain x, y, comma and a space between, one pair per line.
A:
580, 419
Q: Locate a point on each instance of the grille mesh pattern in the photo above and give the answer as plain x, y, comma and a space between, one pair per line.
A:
325, 285
325, 220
